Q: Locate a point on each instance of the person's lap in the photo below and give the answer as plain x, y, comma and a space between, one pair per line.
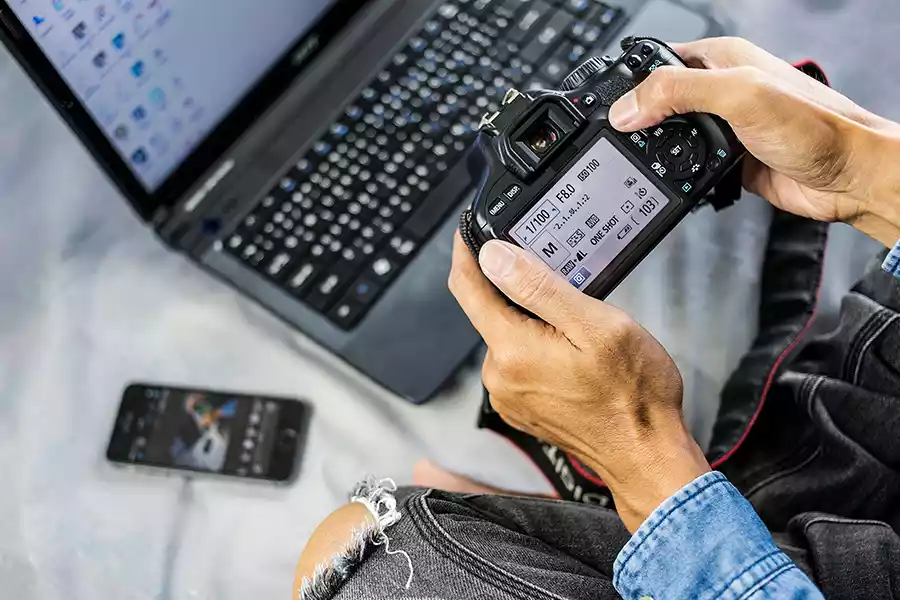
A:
491, 546
464, 546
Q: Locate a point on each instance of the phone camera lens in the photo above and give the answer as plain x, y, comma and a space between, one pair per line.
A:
542, 139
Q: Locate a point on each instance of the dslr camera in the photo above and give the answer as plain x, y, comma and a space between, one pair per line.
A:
555, 178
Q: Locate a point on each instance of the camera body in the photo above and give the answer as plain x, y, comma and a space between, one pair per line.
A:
556, 179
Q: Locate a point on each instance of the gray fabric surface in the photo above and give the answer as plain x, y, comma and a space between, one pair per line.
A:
90, 301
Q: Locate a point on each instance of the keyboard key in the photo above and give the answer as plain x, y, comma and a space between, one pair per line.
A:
555, 70
547, 39
528, 22
384, 268
403, 245
510, 8
303, 277
579, 7
609, 16
365, 290
346, 314
278, 264
330, 286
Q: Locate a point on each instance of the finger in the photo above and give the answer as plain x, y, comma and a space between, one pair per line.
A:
780, 127
730, 52
741, 96
534, 287
488, 311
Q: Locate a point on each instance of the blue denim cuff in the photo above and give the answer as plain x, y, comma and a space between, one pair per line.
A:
706, 541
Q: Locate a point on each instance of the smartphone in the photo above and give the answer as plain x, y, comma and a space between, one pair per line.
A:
240, 435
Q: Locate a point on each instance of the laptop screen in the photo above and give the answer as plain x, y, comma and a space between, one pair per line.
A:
157, 76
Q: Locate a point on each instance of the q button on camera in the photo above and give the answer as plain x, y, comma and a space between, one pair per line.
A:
640, 140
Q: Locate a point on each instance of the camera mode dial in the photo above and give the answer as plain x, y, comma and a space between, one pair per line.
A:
588, 69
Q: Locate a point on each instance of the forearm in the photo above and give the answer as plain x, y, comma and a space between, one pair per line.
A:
655, 465
706, 541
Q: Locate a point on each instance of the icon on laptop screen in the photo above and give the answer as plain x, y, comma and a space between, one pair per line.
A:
137, 69
80, 31
139, 114
157, 98
100, 60
139, 157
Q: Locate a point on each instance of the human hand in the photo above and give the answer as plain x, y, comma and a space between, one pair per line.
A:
583, 376
815, 153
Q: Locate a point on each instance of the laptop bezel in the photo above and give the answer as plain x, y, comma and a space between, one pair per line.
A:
271, 85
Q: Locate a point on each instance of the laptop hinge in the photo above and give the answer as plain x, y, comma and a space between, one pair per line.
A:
160, 216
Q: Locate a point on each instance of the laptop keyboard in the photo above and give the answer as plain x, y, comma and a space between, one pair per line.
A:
345, 220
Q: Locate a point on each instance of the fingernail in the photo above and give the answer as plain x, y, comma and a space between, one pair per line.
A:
497, 260
624, 111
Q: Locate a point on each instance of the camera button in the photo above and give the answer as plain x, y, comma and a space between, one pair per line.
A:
693, 137
287, 438
693, 165
675, 150
647, 49
662, 134
512, 191
639, 140
588, 100
497, 206
686, 186
714, 164
634, 62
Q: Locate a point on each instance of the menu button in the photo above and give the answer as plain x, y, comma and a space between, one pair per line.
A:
497, 207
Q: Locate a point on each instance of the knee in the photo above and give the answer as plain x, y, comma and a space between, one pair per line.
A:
333, 538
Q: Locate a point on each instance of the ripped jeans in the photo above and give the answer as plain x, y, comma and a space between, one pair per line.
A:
821, 467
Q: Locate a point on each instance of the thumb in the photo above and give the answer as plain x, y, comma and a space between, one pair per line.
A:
533, 286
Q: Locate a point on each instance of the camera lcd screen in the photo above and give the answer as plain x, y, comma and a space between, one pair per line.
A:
590, 215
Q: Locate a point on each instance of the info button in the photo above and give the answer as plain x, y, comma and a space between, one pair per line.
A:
512, 191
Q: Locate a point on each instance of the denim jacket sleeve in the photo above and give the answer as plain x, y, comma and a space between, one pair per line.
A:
705, 542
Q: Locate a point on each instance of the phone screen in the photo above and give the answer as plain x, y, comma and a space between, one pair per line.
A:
216, 432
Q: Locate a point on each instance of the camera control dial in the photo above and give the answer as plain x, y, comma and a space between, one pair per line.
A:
588, 69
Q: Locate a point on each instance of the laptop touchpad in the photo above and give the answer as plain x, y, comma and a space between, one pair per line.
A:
664, 20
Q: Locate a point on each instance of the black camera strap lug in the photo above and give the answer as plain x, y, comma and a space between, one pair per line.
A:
727, 192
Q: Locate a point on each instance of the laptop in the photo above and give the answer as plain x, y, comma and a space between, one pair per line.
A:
309, 153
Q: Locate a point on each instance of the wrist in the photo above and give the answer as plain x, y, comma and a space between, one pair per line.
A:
654, 470
879, 215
